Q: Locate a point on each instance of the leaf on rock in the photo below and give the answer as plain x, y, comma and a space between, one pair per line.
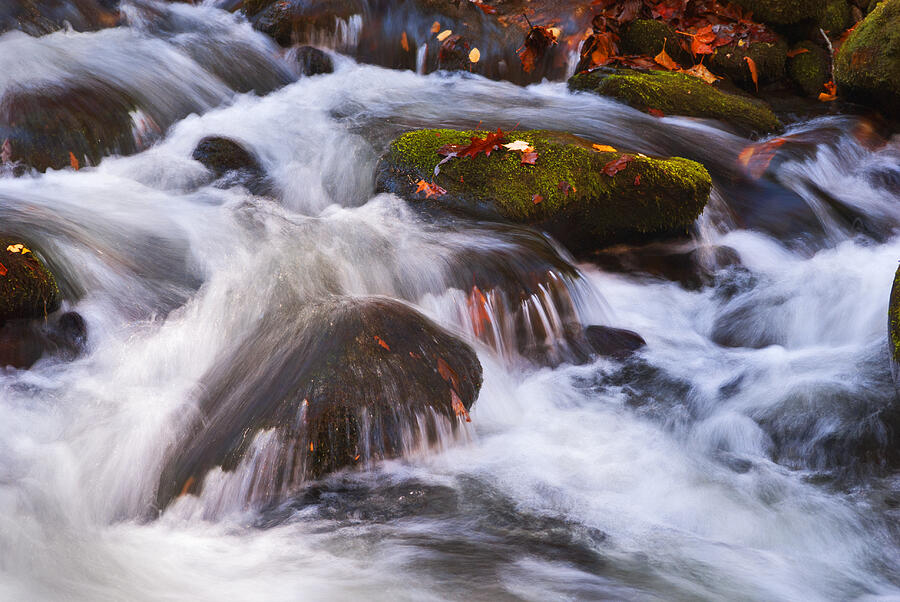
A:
458, 407
656, 112
444, 35
518, 145
404, 42
796, 52
566, 188
537, 41
699, 70
830, 92
474, 55
447, 373
537, 199
637, 180
3, 270
603, 148
617, 165
435, 27
755, 158
430, 189
665, 60
381, 342
73, 161
751, 65
493, 141
529, 158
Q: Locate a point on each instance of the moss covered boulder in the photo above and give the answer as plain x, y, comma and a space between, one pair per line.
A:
769, 58
27, 288
648, 37
867, 66
811, 69
323, 386
678, 94
781, 12
565, 192
835, 16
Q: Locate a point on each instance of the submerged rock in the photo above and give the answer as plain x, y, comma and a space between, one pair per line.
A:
228, 160
565, 192
678, 94
312, 61
614, 342
894, 328
337, 384
24, 342
867, 66
27, 288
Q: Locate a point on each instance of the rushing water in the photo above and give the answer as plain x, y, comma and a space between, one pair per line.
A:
745, 453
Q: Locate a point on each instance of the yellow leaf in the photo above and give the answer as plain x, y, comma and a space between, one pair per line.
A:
665, 60
603, 148
444, 35
475, 55
702, 72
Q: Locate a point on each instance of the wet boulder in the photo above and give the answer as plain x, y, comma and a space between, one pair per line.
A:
231, 163
613, 342
565, 192
867, 66
327, 385
27, 288
810, 70
40, 17
731, 61
54, 126
312, 61
678, 94
649, 36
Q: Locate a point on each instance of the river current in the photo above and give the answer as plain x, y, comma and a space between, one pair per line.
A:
744, 453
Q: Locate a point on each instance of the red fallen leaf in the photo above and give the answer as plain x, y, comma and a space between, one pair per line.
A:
565, 187
597, 50
488, 144
478, 313
447, 373
537, 41
830, 92
656, 112
381, 342
792, 53
751, 65
755, 158
537, 199
637, 180
429, 189
488, 10
617, 165
187, 486
702, 40
529, 158
73, 161
458, 407
3, 270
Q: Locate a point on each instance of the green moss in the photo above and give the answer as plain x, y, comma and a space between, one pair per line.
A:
781, 12
867, 67
810, 70
647, 36
768, 57
649, 195
835, 16
27, 288
894, 319
677, 94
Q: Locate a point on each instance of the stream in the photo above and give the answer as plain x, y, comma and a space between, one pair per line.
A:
748, 452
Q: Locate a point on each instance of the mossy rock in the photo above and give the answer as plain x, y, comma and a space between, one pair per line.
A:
835, 17
894, 327
565, 192
810, 69
27, 288
647, 37
781, 12
678, 94
346, 381
769, 57
867, 66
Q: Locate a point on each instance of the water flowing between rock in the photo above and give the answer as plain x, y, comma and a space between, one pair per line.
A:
749, 450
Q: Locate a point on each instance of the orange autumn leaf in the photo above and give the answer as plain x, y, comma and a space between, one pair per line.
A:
537, 199
73, 161
603, 148
656, 112
381, 342
700, 71
796, 52
447, 373
617, 165
529, 158
478, 312
830, 92
754, 75
429, 189
665, 60
3, 270
404, 42
435, 27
